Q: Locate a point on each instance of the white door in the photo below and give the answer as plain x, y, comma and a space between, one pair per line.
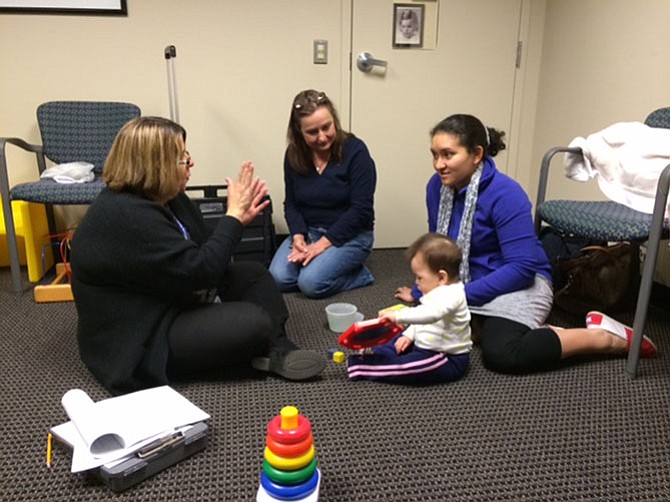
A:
466, 65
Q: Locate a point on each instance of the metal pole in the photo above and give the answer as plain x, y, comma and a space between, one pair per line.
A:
170, 56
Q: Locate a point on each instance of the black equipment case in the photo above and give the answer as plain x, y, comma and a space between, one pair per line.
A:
258, 238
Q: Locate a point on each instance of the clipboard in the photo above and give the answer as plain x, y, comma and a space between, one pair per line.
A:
153, 458
364, 334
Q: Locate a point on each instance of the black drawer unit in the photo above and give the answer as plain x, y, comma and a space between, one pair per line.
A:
258, 238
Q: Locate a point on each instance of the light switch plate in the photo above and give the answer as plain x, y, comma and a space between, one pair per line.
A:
320, 51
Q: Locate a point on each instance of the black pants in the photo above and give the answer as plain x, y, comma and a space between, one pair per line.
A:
511, 347
248, 323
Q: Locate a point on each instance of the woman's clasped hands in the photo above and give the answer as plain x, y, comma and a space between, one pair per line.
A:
303, 253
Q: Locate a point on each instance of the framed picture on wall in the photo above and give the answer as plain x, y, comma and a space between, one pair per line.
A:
103, 7
408, 25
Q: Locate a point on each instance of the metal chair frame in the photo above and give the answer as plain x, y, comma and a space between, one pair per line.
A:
113, 112
657, 229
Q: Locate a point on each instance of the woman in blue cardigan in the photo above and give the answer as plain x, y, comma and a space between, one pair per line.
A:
329, 179
505, 269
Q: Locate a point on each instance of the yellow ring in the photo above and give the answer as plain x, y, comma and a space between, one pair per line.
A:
289, 463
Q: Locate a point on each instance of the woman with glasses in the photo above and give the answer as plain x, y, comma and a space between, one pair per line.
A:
155, 290
329, 181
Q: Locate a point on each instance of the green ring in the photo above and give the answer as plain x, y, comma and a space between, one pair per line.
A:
289, 477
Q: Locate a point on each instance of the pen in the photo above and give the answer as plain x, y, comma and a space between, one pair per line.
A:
49, 443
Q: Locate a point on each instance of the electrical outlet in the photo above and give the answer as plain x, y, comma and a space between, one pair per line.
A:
320, 51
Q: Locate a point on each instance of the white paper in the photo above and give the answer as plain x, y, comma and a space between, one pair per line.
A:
112, 428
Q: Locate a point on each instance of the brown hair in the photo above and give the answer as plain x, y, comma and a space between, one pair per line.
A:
144, 159
299, 154
440, 253
471, 133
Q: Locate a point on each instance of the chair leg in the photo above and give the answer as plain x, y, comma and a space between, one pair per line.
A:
13, 248
648, 272
641, 309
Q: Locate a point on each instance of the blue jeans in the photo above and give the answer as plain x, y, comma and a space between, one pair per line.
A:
336, 269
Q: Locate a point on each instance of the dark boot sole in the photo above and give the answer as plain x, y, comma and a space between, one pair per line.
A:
294, 365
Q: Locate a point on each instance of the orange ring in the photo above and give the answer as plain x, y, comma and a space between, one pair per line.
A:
287, 436
291, 449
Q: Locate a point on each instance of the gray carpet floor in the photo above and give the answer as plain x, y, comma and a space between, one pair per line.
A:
582, 432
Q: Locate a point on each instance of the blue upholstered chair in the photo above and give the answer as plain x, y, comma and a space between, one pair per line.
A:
612, 222
71, 131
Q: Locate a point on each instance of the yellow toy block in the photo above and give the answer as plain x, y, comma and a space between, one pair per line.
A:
398, 306
32, 231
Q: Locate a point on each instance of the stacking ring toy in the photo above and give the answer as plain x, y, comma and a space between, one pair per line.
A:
290, 449
289, 463
285, 433
289, 477
294, 492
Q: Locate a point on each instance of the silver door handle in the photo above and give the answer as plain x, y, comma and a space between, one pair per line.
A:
365, 61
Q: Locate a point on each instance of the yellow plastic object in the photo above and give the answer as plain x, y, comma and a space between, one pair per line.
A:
32, 231
289, 463
339, 357
394, 308
289, 417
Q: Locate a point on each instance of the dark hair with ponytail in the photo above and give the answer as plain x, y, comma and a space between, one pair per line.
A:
472, 133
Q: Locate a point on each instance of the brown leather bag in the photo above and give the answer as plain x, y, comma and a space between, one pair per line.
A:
604, 278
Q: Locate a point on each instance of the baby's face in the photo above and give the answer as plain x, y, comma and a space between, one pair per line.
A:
407, 28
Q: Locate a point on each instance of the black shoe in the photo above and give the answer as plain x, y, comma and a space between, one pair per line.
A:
292, 365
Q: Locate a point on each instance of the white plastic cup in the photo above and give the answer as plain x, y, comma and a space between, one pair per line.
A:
341, 316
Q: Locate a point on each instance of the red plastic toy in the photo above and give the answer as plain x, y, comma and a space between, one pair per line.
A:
364, 334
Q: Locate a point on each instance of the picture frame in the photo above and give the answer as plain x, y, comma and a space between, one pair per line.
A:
408, 21
86, 7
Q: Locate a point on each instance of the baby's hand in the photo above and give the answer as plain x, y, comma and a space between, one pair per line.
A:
387, 315
402, 344
404, 294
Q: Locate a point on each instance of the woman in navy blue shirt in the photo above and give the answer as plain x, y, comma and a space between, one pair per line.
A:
506, 272
329, 179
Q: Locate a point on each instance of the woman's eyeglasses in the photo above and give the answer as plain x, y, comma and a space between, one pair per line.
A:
186, 161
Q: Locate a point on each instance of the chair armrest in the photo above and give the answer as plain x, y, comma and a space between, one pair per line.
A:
544, 177
17, 282
21, 144
38, 150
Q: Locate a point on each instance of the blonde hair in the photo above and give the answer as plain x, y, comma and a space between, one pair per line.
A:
144, 159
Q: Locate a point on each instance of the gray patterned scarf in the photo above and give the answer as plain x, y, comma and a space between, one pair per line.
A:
465, 230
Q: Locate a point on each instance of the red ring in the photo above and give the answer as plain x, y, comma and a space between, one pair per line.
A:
289, 436
289, 450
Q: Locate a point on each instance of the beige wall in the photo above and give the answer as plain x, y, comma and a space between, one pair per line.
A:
603, 61
587, 64
238, 66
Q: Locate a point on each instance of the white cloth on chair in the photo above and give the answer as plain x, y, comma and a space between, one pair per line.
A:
628, 158
71, 172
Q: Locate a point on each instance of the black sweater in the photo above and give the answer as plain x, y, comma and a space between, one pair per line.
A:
133, 271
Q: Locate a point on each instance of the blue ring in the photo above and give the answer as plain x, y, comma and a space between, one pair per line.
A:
294, 492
